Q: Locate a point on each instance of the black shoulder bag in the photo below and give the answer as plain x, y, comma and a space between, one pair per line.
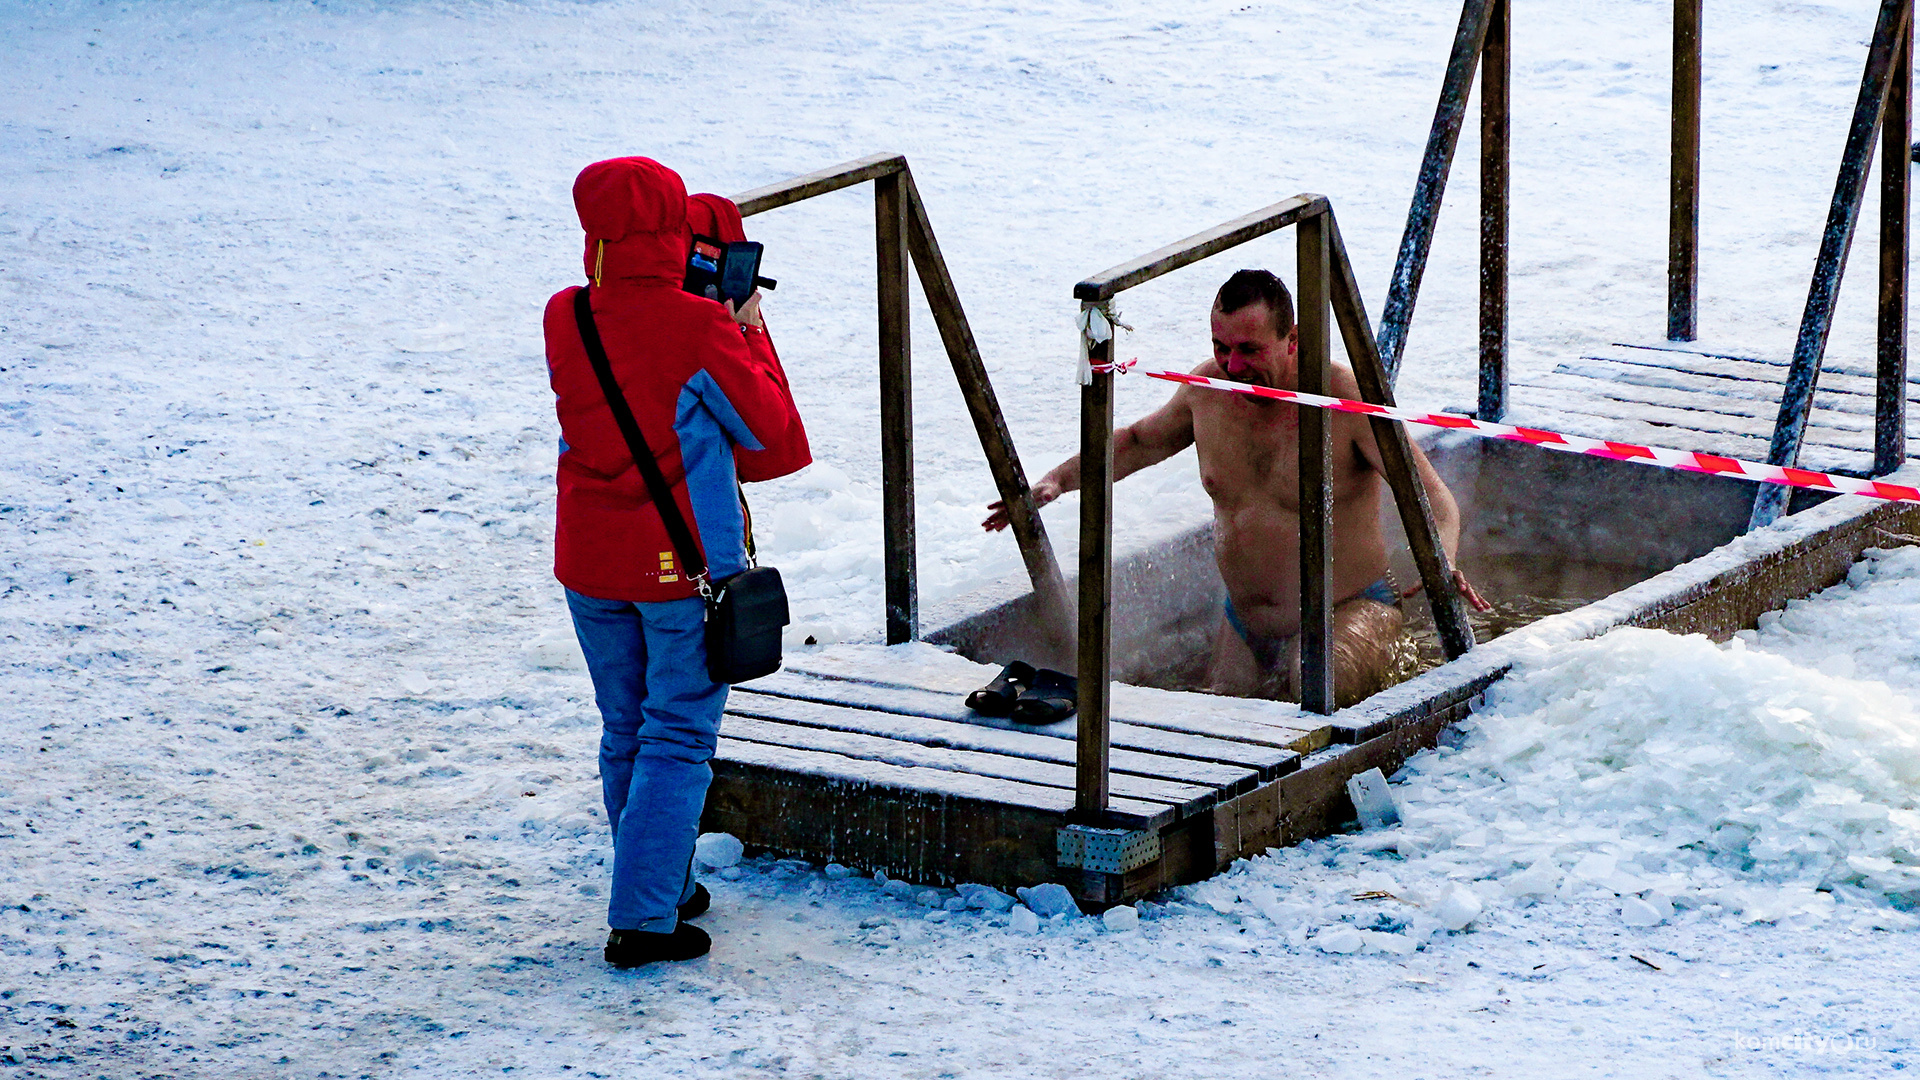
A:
745, 612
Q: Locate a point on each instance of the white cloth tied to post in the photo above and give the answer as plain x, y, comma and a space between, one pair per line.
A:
1095, 329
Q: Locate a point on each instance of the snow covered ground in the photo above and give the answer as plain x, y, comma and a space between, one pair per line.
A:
296, 773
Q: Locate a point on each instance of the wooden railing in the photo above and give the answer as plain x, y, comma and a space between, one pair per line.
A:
1482, 43
1483, 32
903, 234
1325, 278
1884, 108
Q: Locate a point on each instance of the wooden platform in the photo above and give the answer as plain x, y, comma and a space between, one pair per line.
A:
1714, 402
866, 755
860, 758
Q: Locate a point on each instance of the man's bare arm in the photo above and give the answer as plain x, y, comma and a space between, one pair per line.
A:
1149, 440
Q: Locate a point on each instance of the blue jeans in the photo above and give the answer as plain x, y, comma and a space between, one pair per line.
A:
660, 718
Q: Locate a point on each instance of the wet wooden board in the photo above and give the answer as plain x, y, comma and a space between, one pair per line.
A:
925, 731
1185, 799
836, 768
1169, 732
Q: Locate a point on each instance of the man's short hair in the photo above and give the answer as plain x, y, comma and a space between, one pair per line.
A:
1261, 287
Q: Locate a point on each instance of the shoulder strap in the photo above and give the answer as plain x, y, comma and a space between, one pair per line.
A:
691, 561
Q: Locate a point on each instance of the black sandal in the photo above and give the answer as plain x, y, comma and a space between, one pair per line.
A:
997, 697
1050, 698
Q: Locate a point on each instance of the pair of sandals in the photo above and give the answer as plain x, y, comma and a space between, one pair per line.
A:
1027, 694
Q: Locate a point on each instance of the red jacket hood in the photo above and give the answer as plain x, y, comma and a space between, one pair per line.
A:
715, 216
634, 211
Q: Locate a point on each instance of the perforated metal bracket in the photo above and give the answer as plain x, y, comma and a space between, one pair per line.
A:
1106, 851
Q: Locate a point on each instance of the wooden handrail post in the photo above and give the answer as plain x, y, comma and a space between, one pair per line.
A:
901, 231
1096, 567
1896, 137
1849, 187
996, 442
1496, 67
896, 409
1316, 469
1396, 454
1683, 177
1424, 211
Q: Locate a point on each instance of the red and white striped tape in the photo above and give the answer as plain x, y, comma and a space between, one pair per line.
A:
1663, 457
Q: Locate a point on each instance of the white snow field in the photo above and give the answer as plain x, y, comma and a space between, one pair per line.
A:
296, 755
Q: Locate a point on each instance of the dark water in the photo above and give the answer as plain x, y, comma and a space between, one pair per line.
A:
1522, 590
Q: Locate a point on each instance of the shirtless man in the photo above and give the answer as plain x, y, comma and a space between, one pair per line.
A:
1249, 463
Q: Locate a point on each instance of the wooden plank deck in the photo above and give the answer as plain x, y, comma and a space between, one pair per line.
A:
1715, 402
855, 756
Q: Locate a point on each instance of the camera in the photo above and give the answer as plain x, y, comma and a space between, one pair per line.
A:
719, 270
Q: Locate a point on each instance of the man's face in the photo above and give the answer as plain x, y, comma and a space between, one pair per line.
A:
1250, 350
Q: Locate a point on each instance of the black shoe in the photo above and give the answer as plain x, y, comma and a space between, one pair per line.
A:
1050, 699
631, 948
697, 904
997, 697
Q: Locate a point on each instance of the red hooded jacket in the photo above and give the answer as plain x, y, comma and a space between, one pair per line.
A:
700, 388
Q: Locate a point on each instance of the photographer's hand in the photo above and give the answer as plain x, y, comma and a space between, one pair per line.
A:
748, 314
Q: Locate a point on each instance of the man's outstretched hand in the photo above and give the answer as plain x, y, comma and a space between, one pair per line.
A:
1467, 592
1044, 492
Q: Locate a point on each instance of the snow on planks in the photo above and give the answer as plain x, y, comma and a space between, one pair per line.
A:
887, 775
1713, 402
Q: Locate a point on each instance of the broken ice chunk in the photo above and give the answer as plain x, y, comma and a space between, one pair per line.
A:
1458, 910
984, 897
1391, 944
1339, 939
1373, 800
1596, 867
1637, 912
717, 850
1540, 879
1049, 900
1024, 921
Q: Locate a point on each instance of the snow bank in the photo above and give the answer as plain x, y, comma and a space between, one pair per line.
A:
1644, 760
1649, 770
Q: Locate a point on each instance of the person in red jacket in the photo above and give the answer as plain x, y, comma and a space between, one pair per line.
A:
713, 404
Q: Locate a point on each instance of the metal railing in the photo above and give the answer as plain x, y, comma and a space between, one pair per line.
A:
1885, 109
1481, 45
1325, 279
1483, 32
903, 235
